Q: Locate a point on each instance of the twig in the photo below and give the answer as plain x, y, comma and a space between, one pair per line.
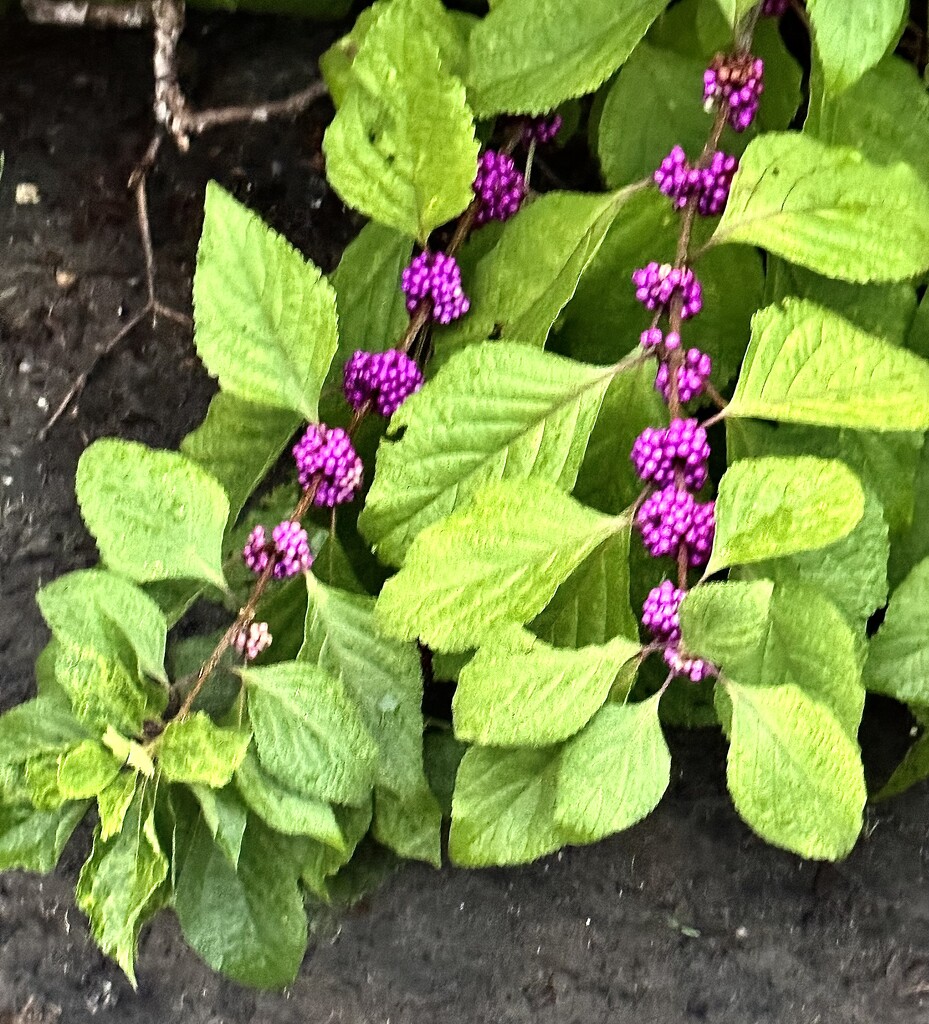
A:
129, 14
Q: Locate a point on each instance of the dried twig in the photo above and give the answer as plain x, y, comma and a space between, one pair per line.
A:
129, 14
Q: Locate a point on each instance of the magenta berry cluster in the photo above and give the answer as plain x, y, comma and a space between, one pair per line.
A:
654, 338
738, 82
658, 283
541, 130
385, 379
252, 640
708, 183
499, 187
672, 517
774, 8
661, 453
692, 376
435, 277
326, 456
289, 547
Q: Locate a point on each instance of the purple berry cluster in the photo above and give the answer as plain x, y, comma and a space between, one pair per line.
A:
672, 517
541, 130
658, 283
289, 547
661, 454
252, 640
708, 182
499, 187
326, 456
774, 8
737, 81
693, 376
435, 278
385, 379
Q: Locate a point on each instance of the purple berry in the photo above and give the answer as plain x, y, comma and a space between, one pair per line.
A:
681, 182
541, 129
327, 453
659, 613
674, 177
386, 379
694, 669
664, 519
499, 186
701, 533
692, 377
658, 283
658, 452
736, 80
293, 549
654, 338
774, 8
257, 552
252, 640
436, 278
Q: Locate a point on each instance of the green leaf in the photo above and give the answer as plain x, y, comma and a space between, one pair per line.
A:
383, 676
494, 411
898, 660
771, 507
308, 732
807, 365
503, 810
915, 765
81, 605
829, 209
225, 816
196, 750
39, 726
794, 773
498, 560
518, 691
154, 514
613, 773
114, 801
266, 322
851, 39
86, 770
522, 283
246, 922
592, 605
319, 862
405, 156
284, 809
238, 443
119, 881
32, 840
409, 825
527, 61
766, 634
735, 10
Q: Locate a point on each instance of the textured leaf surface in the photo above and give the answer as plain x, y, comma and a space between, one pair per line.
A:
852, 38
498, 560
807, 365
898, 661
225, 816
772, 507
266, 322
518, 691
409, 825
196, 750
154, 514
829, 209
113, 803
495, 411
405, 155
32, 840
308, 732
794, 773
613, 773
528, 60
39, 726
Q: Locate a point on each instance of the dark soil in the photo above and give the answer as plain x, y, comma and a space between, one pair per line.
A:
687, 917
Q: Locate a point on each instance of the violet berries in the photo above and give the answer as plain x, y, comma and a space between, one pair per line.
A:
774, 8
289, 546
658, 283
735, 80
692, 376
386, 379
436, 278
660, 452
676, 178
499, 186
660, 615
252, 640
671, 517
326, 455
541, 129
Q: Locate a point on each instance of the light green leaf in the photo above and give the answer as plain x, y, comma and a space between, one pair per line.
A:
766, 634
735, 10
286, 811
247, 922
119, 881
225, 816
794, 773
851, 38
383, 676
406, 155
86, 770
114, 801
409, 825
519, 692
528, 60
503, 810
308, 732
495, 411
154, 514
39, 726
238, 443
32, 840
829, 209
898, 661
522, 283
266, 322
915, 765
498, 560
771, 507
807, 365
613, 773
196, 750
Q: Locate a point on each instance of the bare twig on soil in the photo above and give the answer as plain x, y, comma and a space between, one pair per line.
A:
131, 14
